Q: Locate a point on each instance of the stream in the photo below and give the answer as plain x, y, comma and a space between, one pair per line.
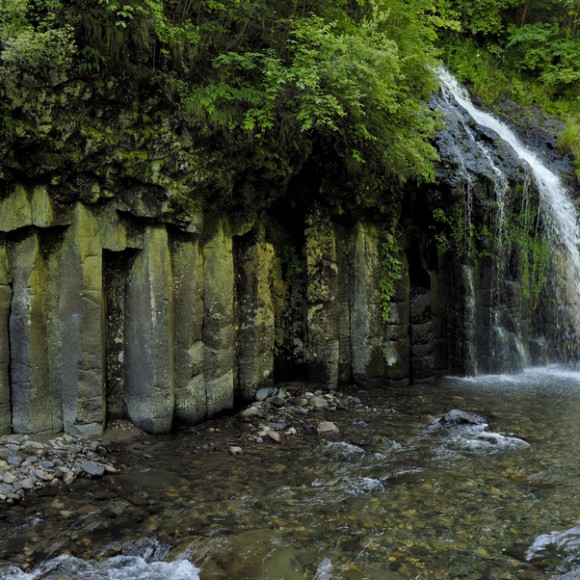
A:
396, 495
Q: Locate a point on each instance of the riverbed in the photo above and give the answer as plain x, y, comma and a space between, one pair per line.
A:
394, 495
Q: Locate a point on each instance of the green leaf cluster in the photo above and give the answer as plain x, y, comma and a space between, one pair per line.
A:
526, 50
316, 97
33, 41
391, 271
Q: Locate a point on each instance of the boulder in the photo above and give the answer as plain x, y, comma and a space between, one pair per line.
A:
459, 417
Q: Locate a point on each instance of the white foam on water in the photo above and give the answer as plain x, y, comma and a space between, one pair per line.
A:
531, 378
351, 485
489, 441
324, 570
473, 438
566, 544
362, 485
115, 568
344, 448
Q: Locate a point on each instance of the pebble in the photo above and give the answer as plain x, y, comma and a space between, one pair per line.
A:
278, 410
318, 403
275, 436
277, 401
298, 410
93, 468
266, 392
15, 460
235, 451
27, 483
26, 465
250, 412
327, 429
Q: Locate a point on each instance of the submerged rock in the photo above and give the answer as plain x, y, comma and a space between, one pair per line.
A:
459, 417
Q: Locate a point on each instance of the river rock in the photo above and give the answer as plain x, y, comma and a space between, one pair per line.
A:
250, 412
327, 430
14, 460
265, 393
93, 468
318, 403
459, 417
27, 483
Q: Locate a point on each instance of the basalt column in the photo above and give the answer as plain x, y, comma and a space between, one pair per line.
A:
190, 400
322, 291
5, 299
116, 266
81, 326
218, 325
368, 356
32, 405
256, 321
397, 349
149, 370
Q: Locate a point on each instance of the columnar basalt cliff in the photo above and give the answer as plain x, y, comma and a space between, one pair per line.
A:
120, 296
107, 314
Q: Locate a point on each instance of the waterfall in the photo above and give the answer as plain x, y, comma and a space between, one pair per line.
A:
556, 212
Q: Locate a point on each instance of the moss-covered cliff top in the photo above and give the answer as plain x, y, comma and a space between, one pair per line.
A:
223, 103
240, 104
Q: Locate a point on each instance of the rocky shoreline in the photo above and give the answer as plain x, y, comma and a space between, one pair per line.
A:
28, 464
280, 412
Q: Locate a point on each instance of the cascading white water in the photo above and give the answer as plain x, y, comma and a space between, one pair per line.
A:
503, 339
558, 212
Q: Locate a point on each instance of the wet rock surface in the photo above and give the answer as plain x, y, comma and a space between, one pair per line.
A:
459, 417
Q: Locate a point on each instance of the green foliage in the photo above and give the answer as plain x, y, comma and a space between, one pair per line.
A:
534, 257
484, 18
544, 50
526, 50
34, 42
325, 99
569, 140
334, 93
391, 272
534, 254
326, 96
441, 232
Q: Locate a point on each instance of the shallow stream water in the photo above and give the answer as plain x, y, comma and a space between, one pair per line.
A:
394, 497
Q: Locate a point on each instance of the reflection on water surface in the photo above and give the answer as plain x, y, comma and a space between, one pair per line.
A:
393, 497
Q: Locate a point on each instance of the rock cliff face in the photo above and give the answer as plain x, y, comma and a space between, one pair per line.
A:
126, 304
107, 314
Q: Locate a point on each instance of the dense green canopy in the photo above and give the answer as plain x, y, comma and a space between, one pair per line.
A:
328, 96
526, 50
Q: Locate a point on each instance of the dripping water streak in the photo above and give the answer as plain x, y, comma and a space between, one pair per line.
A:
471, 318
501, 342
